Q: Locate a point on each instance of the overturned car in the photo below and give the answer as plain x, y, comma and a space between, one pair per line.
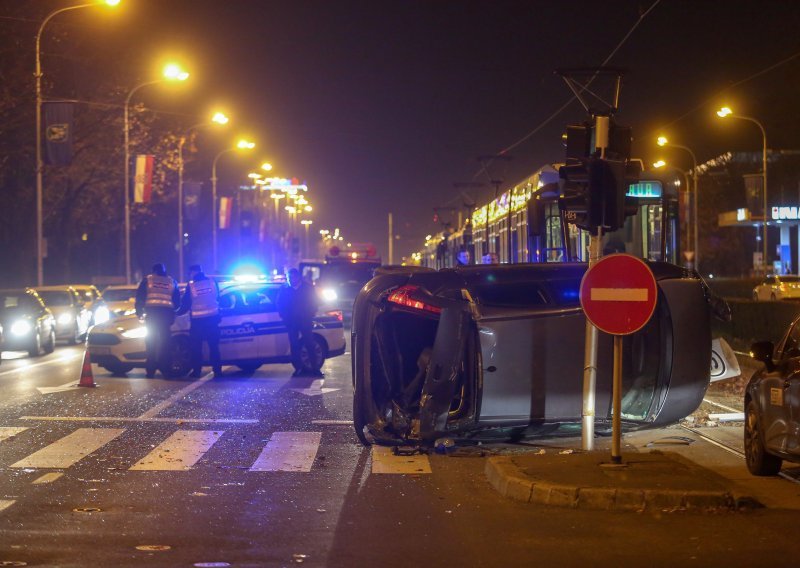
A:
497, 351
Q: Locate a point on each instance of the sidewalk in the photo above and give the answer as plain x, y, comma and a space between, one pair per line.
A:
669, 468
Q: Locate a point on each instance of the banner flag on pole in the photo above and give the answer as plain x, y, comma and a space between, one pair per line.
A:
191, 199
143, 179
225, 205
58, 133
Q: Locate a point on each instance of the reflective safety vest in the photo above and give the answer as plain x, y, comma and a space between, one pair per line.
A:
204, 298
159, 291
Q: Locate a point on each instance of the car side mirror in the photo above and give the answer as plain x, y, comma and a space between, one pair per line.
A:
762, 351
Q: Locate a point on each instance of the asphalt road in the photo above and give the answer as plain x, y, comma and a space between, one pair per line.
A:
265, 470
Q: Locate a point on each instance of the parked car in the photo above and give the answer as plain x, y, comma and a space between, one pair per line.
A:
116, 301
28, 324
90, 296
72, 317
251, 334
778, 287
498, 351
772, 405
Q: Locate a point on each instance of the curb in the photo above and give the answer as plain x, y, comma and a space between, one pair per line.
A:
504, 475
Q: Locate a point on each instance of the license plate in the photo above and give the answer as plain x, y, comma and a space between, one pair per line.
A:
100, 350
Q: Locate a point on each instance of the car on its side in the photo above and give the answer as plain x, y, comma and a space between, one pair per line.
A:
27, 323
72, 317
251, 334
772, 405
116, 301
496, 351
777, 287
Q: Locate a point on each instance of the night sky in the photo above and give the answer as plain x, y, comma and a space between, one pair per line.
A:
382, 105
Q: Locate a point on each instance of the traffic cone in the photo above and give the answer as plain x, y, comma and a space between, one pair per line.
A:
87, 377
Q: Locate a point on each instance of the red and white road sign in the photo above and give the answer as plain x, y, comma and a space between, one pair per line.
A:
618, 294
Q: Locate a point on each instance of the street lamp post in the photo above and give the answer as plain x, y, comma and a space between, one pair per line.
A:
218, 118
171, 73
662, 141
726, 112
240, 145
306, 223
39, 162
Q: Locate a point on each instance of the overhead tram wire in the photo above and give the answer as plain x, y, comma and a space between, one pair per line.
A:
573, 98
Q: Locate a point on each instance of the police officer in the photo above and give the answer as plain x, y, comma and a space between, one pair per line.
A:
156, 300
297, 306
201, 299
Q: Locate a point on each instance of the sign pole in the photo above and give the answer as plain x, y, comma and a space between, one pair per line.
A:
616, 421
590, 361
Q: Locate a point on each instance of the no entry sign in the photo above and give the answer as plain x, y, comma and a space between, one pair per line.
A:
618, 294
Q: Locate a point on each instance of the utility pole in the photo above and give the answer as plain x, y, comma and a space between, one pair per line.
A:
391, 240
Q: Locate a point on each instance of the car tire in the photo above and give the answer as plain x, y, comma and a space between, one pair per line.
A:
313, 363
759, 462
179, 358
249, 367
35, 349
118, 370
75, 337
50, 346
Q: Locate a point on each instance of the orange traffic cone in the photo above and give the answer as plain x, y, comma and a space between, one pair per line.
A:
87, 378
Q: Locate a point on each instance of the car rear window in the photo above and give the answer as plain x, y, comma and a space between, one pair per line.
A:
54, 298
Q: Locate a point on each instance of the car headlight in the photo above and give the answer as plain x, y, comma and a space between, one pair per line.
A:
65, 319
329, 294
135, 333
21, 327
129, 312
101, 315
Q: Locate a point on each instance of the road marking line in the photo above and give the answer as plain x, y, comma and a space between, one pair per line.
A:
140, 419
179, 452
333, 422
59, 360
158, 408
6, 503
48, 477
289, 451
619, 294
70, 449
384, 461
9, 431
728, 408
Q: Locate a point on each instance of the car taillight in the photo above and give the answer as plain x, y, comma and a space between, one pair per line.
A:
336, 314
402, 297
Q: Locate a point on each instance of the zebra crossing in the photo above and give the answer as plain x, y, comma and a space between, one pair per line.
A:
182, 450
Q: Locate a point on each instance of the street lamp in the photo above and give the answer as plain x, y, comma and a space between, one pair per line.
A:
306, 223
266, 166
240, 145
218, 119
172, 72
726, 112
659, 164
39, 163
662, 141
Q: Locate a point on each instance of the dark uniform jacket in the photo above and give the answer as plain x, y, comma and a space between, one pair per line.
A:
297, 307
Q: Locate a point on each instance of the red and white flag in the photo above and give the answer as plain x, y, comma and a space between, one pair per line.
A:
225, 204
143, 179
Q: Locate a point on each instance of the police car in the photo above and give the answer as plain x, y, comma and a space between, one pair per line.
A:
251, 334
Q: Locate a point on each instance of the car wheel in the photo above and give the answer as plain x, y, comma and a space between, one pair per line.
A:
50, 346
75, 337
118, 370
36, 347
313, 361
759, 462
179, 358
249, 367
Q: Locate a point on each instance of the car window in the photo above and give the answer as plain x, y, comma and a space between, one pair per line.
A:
792, 346
769, 280
119, 295
247, 301
56, 298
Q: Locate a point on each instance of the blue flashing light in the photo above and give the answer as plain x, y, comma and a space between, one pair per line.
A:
645, 189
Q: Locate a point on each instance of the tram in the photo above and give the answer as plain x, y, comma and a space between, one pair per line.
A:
525, 225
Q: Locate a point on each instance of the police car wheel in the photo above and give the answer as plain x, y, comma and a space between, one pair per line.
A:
314, 361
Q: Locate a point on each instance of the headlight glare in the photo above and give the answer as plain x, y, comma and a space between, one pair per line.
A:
65, 319
21, 327
101, 315
135, 333
329, 294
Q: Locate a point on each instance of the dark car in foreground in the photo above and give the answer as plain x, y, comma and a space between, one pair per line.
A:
28, 325
772, 405
497, 351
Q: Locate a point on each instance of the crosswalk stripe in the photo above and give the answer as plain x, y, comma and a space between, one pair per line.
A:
6, 503
384, 461
179, 452
48, 477
70, 449
9, 431
289, 451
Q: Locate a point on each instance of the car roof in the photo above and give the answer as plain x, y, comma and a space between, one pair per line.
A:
64, 288
121, 287
24, 290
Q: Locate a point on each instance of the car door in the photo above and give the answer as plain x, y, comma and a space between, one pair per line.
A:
238, 336
776, 392
270, 329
